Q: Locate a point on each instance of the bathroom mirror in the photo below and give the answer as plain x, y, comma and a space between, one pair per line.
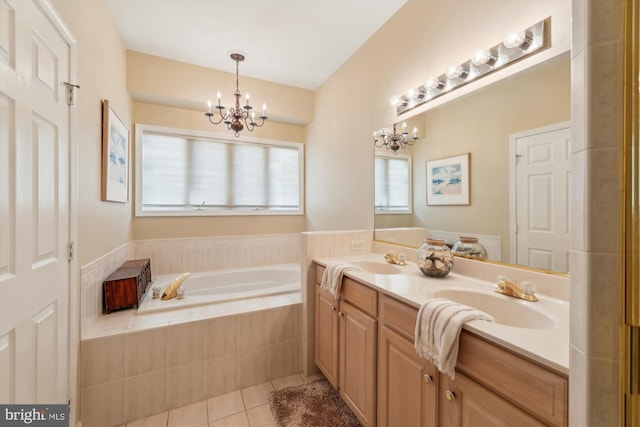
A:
489, 123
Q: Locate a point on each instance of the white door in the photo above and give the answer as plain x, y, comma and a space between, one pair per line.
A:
543, 177
34, 207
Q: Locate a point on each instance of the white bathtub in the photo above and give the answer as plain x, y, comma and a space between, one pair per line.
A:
208, 287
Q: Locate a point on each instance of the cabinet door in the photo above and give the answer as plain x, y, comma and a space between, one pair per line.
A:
407, 384
465, 403
358, 362
327, 335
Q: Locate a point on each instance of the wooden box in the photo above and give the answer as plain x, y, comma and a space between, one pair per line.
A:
126, 286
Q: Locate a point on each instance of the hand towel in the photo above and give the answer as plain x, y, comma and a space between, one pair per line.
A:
438, 329
332, 276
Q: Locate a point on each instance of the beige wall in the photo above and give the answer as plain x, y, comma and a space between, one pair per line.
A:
422, 38
101, 74
166, 82
172, 90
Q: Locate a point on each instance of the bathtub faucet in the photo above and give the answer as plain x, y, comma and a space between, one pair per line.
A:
172, 290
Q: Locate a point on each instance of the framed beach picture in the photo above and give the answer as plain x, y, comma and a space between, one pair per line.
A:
115, 156
448, 181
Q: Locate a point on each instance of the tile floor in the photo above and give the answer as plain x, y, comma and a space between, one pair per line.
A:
241, 408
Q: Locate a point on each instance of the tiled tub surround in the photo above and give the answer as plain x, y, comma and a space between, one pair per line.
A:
127, 376
132, 366
177, 256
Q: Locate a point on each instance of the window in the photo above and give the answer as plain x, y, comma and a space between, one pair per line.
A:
393, 184
190, 173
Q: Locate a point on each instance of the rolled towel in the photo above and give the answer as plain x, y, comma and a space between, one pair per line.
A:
332, 276
438, 330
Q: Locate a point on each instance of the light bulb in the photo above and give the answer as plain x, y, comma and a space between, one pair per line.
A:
393, 101
521, 40
209, 105
457, 72
434, 83
484, 57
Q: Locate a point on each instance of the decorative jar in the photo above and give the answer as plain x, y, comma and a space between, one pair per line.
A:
435, 258
469, 247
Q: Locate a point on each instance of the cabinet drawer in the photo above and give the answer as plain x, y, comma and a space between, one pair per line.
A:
398, 315
361, 296
533, 388
326, 294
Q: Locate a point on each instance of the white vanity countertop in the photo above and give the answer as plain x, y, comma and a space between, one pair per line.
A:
548, 346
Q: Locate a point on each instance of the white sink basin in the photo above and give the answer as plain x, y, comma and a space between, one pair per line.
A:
505, 310
376, 267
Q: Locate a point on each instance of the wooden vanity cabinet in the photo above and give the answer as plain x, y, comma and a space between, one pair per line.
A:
407, 383
327, 337
346, 344
464, 402
365, 340
534, 389
358, 362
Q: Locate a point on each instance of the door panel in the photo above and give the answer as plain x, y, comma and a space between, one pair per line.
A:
358, 362
543, 177
34, 217
327, 335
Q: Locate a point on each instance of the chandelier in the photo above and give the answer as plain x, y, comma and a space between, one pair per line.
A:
237, 118
395, 141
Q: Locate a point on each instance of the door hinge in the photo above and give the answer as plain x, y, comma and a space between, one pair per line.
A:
71, 252
70, 92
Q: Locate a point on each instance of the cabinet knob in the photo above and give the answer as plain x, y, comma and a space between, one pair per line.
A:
341, 314
333, 308
428, 379
450, 395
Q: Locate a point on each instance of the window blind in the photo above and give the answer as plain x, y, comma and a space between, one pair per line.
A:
392, 184
183, 173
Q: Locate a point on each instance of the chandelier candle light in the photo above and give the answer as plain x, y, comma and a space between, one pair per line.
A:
237, 118
395, 140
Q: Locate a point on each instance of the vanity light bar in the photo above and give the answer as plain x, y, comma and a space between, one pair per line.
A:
517, 46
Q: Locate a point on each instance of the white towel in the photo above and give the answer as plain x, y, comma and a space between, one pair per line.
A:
332, 277
438, 329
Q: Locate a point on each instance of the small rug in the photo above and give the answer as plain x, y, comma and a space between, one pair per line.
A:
314, 404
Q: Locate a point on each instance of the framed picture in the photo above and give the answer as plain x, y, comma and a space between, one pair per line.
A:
448, 181
115, 156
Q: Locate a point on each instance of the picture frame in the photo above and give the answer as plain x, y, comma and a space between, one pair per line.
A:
448, 181
115, 156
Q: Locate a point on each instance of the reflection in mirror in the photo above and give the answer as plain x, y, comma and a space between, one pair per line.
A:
488, 123
393, 183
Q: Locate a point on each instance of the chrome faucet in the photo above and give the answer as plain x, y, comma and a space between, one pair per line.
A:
511, 288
